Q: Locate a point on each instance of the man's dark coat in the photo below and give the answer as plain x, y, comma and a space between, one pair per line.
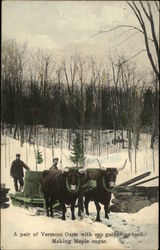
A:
17, 169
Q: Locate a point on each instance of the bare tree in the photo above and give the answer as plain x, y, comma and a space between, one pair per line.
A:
144, 10
44, 67
155, 120
83, 70
146, 13
70, 69
70, 79
136, 113
97, 78
13, 68
127, 76
116, 100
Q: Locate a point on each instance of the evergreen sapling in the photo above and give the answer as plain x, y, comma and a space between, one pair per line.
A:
77, 151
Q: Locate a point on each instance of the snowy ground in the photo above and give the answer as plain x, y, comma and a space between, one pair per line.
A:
22, 229
121, 231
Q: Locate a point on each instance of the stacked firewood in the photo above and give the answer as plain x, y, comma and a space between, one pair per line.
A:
3, 197
131, 199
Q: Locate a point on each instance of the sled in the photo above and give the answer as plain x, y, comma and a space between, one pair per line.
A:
32, 196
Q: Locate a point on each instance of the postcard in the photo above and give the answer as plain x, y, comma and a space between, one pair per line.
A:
79, 125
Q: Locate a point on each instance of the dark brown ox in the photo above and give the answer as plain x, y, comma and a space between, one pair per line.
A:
63, 186
105, 183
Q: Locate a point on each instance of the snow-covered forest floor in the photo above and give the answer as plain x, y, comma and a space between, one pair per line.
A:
121, 231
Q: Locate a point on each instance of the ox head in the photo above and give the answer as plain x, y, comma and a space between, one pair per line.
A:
109, 176
73, 177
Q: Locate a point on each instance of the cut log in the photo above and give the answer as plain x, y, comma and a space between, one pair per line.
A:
131, 199
137, 178
3, 196
142, 182
128, 191
130, 206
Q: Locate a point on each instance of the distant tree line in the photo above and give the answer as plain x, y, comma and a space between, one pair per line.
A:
75, 93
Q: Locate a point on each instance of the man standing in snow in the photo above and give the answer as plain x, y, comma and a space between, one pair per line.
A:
17, 173
54, 165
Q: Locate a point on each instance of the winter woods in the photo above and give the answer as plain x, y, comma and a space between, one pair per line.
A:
79, 92
75, 93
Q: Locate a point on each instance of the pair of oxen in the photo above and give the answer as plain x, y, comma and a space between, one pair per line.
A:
73, 184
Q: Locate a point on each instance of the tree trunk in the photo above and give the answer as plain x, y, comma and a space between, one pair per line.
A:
27, 153
155, 121
52, 143
61, 149
9, 149
44, 147
55, 136
22, 135
15, 131
2, 128
114, 126
129, 148
99, 142
135, 160
5, 151
10, 129
153, 159
93, 134
35, 156
30, 133
137, 140
122, 139
18, 133
69, 139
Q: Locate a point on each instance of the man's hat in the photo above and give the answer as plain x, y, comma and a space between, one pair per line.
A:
18, 155
55, 159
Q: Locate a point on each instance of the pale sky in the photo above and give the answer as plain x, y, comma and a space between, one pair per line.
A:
69, 25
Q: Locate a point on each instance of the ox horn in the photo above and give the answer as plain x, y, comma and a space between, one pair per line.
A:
99, 163
122, 166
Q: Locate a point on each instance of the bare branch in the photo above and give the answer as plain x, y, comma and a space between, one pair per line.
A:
153, 32
120, 26
131, 57
126, 39
135, 11
122, 33
141, 21
145, 10
115, 28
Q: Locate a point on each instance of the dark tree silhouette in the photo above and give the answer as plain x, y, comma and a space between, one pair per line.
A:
77, 151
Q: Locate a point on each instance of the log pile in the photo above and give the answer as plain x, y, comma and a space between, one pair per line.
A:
3, 197
131, 199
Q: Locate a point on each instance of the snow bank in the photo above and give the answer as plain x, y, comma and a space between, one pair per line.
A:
147, 215
22, 230
139, 230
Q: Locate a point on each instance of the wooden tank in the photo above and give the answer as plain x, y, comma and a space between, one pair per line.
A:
32, 184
